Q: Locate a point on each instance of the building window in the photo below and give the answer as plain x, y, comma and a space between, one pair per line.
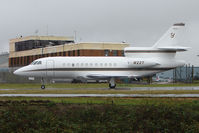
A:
21, 63
64, 53
14, 62
25, 60
33, 44
122, 52
106, 52
69, 53
78, 52
73, 52
17, 61
115, 53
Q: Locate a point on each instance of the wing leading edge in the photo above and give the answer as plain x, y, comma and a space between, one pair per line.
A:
174, 48
101, 76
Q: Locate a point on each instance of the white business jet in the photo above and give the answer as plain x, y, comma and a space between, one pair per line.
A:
137, 62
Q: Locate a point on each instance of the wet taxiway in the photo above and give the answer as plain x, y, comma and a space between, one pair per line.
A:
134, 88
103, 95
108, 95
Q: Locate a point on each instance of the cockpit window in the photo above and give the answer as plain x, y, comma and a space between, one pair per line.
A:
32, 63
39, 63
35, 62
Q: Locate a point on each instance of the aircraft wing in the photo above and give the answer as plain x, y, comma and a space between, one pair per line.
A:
174, 48
101, 76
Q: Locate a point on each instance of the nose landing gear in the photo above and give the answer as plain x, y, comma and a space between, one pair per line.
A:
42, 84
112, 83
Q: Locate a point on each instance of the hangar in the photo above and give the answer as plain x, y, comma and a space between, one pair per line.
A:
24, 50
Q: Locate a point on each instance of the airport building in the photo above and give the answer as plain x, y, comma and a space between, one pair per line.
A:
24, 50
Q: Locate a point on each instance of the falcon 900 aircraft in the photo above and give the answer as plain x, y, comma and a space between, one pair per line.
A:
137, 62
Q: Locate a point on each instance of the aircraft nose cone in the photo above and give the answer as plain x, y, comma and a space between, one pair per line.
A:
19, 72
16, 72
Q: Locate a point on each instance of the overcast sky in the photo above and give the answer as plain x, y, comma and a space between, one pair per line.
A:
138, 22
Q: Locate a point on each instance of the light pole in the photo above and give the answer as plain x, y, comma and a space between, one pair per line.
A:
42, 50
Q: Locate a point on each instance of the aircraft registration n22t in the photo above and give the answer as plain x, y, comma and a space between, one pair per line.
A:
137, 62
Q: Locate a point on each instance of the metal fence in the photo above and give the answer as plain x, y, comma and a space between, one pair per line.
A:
184, 74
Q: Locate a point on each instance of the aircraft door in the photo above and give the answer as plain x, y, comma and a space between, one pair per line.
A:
50, 68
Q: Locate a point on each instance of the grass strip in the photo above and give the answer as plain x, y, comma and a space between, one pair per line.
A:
136, 115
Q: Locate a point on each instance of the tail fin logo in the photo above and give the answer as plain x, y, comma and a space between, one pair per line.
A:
172, 35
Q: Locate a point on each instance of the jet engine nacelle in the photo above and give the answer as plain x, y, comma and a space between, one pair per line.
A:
141, 63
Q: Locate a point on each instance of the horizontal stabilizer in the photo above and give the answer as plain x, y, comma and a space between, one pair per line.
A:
173, 48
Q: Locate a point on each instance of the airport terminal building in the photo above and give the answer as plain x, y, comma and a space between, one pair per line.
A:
24, 50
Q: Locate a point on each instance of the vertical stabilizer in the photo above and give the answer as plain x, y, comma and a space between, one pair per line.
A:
170, 38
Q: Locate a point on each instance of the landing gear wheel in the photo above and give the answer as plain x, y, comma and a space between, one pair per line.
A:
42, 84
43, 87
112, 83
112, 86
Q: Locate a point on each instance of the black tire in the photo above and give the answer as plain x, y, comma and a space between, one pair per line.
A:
112, 87
43, 87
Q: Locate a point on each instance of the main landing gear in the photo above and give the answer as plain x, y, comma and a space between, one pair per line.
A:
43, 87
112, 83
42, 84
